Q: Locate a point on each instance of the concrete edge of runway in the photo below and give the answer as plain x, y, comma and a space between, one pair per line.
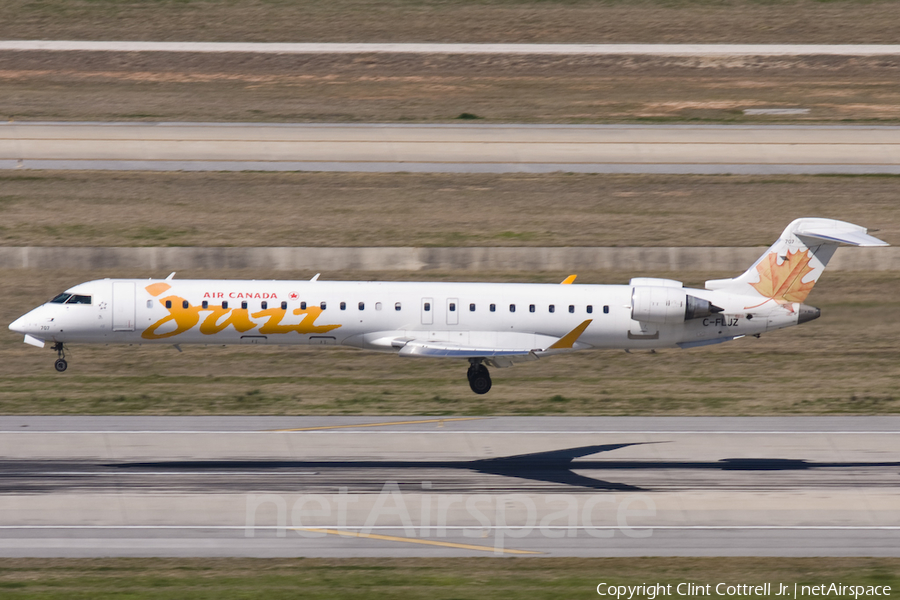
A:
416, 148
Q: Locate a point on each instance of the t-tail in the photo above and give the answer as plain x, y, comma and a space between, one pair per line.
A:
786, 273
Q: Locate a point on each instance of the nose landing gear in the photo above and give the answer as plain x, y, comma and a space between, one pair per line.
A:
479, 377
60, 364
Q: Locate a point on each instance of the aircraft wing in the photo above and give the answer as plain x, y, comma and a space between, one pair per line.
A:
496, 356
448, 350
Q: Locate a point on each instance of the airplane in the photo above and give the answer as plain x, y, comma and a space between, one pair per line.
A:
486, 324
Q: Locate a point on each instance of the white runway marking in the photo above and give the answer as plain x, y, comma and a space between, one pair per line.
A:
540, 49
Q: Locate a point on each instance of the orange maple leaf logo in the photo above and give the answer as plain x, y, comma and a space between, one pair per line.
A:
784, 283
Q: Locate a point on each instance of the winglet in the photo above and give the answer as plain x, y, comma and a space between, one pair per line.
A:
567, 341
569, 280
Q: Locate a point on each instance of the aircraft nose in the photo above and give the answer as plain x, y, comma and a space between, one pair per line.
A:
18, 325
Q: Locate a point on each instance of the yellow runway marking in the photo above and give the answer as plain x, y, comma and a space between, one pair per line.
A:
391, 538
377, 424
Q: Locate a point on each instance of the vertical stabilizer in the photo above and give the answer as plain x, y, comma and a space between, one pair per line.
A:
789, 269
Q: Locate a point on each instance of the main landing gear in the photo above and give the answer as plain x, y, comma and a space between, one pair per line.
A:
479, 378
60, 364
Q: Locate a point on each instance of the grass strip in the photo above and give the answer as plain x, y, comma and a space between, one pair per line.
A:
71, 208
444, 578
579, 21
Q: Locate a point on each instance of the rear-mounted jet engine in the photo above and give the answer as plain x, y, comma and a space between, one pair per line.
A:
668, 304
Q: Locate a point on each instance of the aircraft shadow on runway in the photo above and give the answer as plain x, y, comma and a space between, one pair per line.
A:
555, 466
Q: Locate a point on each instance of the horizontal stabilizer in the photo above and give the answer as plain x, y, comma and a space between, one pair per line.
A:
837, 236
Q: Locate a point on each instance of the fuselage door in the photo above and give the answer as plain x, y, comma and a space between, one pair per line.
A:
452, 311
427, 311
123, 306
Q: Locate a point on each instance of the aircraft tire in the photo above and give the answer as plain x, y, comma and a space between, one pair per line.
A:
480, 380
61, 365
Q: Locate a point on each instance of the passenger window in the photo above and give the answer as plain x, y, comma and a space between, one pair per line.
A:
343, 306
396, 306
512, 308
606, 310
244, 304
531, 308
493, 307
471, 308
571, 308
303, 306
283, 305
168, 304
323, 305
453, 307
552, 308
149, 303
224, 303
427, 306
262, 305
378, 306
362, 306
206, 304
61, 299
185, 304
590, 309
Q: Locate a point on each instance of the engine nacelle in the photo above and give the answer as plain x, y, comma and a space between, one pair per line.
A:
657, 304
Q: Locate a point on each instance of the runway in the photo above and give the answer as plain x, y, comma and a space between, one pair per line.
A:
459, 148
449, 486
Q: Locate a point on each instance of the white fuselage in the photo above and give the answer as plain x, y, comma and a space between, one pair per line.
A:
381, 315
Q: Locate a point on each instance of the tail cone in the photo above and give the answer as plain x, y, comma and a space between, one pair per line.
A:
807, 313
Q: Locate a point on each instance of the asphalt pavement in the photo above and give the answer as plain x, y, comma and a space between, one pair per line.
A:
449, 486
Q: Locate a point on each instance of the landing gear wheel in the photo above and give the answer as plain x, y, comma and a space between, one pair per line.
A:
60, 364
479, 379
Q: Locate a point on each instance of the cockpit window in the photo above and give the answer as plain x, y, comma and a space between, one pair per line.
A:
71, 299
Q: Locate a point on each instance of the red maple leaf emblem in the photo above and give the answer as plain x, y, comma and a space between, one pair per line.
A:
783, 282
294, 295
